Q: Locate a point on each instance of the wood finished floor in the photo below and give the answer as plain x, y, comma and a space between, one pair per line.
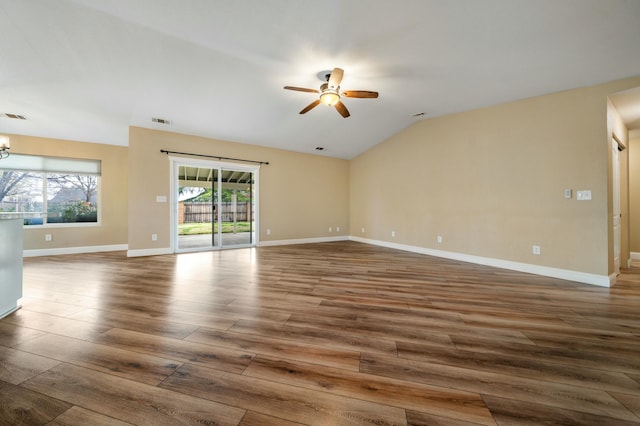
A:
324, 334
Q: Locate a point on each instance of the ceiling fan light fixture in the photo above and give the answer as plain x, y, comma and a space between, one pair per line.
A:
329, 98
330, 93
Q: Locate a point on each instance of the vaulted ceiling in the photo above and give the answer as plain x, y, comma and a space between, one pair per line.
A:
88, 69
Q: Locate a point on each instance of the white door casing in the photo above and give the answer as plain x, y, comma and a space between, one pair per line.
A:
616, 217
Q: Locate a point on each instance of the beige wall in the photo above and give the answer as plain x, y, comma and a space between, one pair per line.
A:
113, 198
300, 195
491, 182
634, 194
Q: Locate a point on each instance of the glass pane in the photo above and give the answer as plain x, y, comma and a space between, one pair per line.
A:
237, 208
196, 207
72, 198
21, 196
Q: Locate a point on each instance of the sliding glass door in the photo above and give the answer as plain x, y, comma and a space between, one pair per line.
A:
215, 205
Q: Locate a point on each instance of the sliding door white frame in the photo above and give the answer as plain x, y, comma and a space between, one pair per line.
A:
177, 161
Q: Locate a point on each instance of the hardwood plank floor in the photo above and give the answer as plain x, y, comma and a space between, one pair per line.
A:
320, 334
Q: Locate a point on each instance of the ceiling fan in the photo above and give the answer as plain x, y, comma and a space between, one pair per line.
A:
330, 93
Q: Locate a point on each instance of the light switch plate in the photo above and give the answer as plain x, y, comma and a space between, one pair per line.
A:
568, 193
583, 195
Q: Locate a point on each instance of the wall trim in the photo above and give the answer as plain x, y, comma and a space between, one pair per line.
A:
167, 250
73, 250
635, 256
565, 274
149, 252
303, 241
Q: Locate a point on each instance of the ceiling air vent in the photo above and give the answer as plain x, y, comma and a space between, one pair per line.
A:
15, 116
161, 121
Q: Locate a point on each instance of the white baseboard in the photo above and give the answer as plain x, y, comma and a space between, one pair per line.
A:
582, 277
149, 252
303, 241
167, 250
73, 250
635, 256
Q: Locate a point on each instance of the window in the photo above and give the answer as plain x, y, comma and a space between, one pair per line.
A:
49, 190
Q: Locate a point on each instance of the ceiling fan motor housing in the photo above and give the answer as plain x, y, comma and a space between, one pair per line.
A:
329, 96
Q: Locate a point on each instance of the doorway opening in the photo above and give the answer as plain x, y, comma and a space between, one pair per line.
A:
214, 205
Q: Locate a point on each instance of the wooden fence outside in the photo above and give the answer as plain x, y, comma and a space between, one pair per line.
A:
203, 212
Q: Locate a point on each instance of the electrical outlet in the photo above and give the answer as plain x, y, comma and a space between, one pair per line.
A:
439, 239
154, 237
47, 237
268, 231
393, 233
363, 230
536, 250
337, 229
330, 229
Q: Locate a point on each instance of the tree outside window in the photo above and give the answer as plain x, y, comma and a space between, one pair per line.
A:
49, 197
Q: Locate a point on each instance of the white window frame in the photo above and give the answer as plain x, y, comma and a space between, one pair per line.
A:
45, 166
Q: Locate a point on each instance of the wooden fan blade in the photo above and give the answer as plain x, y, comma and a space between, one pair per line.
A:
342, 109
301, 89
336, 77
311, 106
359, 94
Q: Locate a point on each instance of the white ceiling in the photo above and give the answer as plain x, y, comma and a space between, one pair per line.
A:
88, 69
